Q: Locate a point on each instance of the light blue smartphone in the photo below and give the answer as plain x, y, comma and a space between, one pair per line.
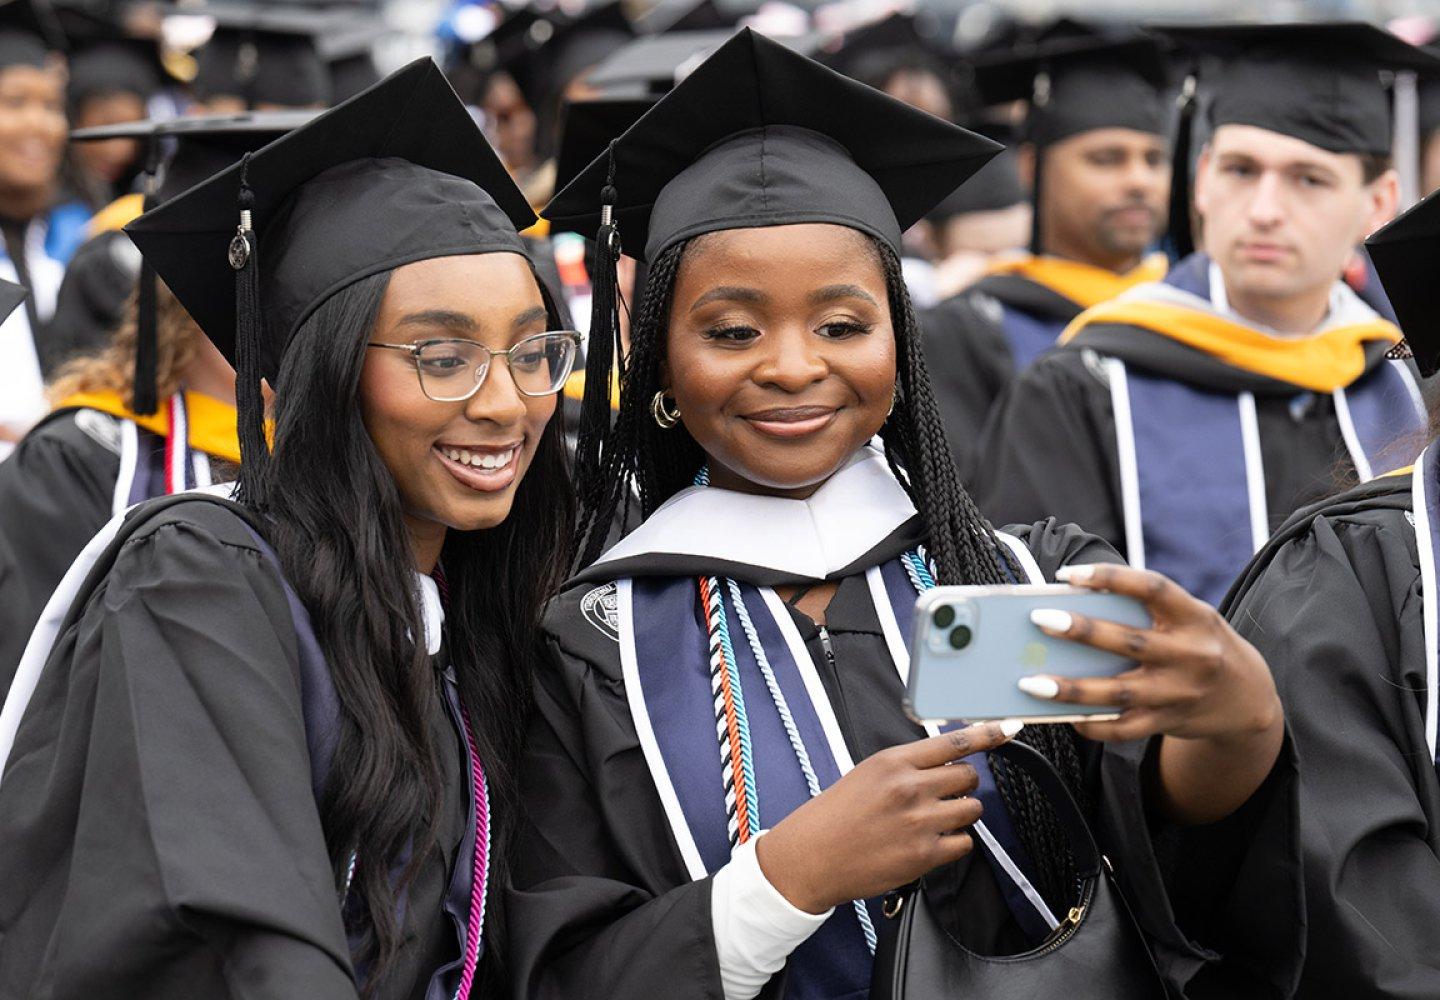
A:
972, 644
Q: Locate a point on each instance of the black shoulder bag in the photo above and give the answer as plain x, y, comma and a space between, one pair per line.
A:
1097, 952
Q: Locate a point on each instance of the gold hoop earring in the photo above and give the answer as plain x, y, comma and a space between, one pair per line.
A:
663, 415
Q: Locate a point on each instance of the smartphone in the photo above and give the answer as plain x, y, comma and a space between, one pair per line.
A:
972, 644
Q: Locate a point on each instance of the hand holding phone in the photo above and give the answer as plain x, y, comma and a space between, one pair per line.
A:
972, 645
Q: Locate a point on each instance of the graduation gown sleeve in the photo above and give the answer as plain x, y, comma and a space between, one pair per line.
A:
55, 493
1220, 904
1046, 450
158, 833
601, 904
1336, 609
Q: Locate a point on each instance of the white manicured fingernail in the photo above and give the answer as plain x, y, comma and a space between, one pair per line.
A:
1051, 619
1009, 727
1039, 687
1074, 574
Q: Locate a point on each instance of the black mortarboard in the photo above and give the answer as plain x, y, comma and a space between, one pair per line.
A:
123, 65
757, 135
1076, 84
264, 56
1317, 82
1321, 83
556, 51
690, 15
348, 49
11, 295
586, 128
1405, 254
397, 174
994, 186
29, 32
862, 52
202, 145
654, 64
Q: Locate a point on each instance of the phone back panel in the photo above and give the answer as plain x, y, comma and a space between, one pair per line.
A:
964, 663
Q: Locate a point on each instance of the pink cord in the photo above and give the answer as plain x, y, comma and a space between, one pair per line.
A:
481, 869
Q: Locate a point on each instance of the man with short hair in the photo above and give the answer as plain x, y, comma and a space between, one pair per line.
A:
1095, 154
1185, 419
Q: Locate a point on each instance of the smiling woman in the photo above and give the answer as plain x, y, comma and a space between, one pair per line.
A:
308, 704
723, 782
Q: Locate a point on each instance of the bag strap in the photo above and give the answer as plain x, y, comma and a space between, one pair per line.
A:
1082, 842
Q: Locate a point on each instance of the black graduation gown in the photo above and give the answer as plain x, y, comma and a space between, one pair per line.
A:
601, 903
159, 835
1050, 448
976, 342
1334, 602
970, 363
56, 490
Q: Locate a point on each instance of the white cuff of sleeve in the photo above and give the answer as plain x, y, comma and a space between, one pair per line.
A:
756, 928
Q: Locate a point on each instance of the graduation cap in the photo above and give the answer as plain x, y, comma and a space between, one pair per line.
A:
124, 65
1075, 80
654, 64
203, 145
690, 15
995, 186
11, 295
264, 56
553, 52
29, 33
1322, 83
863, 51
757, 135
397, 174
586, 128
1404, 253
348, 49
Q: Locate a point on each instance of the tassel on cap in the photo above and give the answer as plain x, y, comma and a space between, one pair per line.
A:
1039, 98
144, 393
1181, 238
603, 351
250, 403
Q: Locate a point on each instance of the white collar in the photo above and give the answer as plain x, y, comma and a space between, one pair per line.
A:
1345, 308
432, 611
853, 512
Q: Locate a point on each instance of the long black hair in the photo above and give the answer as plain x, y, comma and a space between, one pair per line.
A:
634, 457
333, 514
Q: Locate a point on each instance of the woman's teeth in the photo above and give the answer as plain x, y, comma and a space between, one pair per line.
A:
479, 460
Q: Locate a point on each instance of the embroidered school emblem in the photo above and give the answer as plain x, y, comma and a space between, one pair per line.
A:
601, 608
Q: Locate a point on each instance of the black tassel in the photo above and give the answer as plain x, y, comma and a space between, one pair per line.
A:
1039, 99
1181, 238
144, 393
603, 351
1037, 242
250, 403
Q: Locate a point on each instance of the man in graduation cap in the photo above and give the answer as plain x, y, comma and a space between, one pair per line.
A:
1342, 603
1186, 419
36, 234
1094, 149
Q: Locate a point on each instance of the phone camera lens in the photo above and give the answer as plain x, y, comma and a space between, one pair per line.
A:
961, 637
944, 616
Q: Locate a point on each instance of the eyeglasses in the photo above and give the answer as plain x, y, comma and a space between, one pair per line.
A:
453, 370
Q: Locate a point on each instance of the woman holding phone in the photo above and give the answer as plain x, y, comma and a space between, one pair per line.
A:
721, 774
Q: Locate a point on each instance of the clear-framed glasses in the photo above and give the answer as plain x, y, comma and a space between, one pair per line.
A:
452, 370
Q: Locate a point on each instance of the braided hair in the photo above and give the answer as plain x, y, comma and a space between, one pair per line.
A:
637, 461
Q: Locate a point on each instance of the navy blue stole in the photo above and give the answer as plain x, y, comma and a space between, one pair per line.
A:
1192, 477
664, 650
1028, 335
